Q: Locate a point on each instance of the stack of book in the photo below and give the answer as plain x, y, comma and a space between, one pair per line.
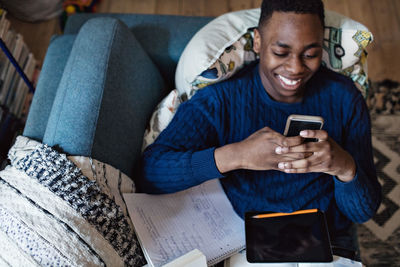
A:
18, 72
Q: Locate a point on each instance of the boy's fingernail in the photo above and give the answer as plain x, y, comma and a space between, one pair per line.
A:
303, 133
281, 165
278, 150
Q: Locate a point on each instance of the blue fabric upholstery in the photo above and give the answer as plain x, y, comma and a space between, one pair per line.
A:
52, 70
105, 97
132, 73
163, 37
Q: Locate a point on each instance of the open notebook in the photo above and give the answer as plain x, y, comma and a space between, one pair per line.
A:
169, 226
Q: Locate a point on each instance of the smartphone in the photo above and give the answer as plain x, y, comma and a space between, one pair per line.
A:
296, 123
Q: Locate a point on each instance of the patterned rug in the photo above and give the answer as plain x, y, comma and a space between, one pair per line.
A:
380, 237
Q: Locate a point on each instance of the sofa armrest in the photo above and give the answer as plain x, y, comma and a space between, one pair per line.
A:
108, 90
50, 76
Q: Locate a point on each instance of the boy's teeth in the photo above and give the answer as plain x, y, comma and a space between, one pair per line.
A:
288, 81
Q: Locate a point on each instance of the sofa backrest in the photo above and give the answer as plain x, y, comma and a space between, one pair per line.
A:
164, 37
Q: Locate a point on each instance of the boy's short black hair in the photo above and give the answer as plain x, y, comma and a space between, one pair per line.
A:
298, 6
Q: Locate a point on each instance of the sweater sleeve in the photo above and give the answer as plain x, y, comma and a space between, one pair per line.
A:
360, 198
183, 154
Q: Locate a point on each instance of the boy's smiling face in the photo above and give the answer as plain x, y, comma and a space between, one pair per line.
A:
290, 49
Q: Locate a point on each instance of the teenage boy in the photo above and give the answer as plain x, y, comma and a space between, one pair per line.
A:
232, 131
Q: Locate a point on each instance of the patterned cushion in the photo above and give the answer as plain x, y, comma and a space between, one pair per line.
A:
161, 117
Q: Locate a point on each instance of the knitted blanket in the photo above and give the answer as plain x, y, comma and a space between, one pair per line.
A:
64, 211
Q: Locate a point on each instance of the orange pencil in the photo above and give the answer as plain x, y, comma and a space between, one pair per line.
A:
268, 215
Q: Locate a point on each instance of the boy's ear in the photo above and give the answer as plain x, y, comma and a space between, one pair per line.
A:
256, 41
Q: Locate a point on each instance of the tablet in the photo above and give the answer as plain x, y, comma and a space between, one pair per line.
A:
300, 236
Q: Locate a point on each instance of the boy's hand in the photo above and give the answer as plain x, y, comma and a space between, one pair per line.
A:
260, 151
327, 156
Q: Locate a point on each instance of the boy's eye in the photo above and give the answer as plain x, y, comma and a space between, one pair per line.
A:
280, 54
310, 56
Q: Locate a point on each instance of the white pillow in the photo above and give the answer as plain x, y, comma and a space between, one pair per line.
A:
344, 49
209, 43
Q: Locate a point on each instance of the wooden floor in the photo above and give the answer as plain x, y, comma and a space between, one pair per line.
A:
382, 17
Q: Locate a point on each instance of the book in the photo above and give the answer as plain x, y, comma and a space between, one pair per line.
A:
22, 88
14, 86
3, 21
12, 64
239, 260
16, 89
10, 74
9, 41
193, 258
4, 26
202, 217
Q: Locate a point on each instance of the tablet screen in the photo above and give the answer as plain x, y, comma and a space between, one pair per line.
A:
289, 238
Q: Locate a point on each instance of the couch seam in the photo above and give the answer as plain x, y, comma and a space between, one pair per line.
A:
63, 102
114, 30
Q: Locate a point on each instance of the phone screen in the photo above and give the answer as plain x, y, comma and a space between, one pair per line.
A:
297, 126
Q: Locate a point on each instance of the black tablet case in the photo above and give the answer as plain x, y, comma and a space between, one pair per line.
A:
289, 238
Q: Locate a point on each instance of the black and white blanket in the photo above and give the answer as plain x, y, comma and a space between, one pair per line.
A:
64, 211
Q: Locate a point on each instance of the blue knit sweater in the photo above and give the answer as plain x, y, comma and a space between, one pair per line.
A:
227, 112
